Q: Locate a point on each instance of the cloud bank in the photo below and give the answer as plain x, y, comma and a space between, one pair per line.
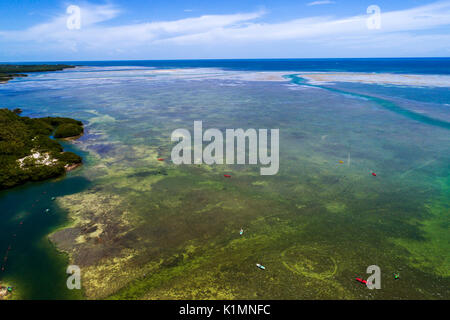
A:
417, 31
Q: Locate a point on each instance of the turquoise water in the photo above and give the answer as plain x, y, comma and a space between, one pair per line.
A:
392, 106
315, 226
33, 265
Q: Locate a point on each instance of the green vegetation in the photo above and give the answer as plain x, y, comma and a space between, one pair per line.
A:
27, 153
68, 130
10, 71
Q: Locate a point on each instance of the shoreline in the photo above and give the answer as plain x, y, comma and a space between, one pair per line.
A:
11, 71
72, 167
30, 153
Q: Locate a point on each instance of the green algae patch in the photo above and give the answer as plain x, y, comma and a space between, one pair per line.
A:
149, 229
260, 183
226, 270
111, 274
214, 185
142, 286
309, 262
336, 207
431, 253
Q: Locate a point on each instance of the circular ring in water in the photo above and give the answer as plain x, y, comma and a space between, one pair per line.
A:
309, 262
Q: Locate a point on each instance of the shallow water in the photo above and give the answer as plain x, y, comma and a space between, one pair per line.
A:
166, 231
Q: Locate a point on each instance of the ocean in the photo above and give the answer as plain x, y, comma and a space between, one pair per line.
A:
381, 65
141, 228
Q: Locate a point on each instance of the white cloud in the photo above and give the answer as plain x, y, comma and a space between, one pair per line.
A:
317, 3
238, 30
322, 28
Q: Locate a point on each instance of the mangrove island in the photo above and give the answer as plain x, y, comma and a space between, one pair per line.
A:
10, 71
27, 153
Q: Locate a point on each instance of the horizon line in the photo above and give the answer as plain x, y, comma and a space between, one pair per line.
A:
217, 59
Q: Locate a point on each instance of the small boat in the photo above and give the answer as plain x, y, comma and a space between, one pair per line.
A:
361, 280
341, 162
260, 266
227, 176
241, 232
374, 174
47, 210
160, 159
53, 198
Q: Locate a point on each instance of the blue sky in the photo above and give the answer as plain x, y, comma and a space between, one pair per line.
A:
175, 29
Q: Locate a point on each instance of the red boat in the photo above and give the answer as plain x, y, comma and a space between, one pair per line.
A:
374, 174
160, 159
227, 176
361, 280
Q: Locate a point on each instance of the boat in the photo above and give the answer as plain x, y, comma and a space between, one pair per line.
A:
260, 266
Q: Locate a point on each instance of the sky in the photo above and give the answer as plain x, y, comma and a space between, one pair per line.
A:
54, 30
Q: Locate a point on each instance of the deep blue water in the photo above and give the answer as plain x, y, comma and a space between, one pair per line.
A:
391, 65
